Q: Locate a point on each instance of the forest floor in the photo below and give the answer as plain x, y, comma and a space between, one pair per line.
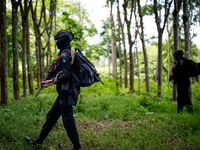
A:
106, 118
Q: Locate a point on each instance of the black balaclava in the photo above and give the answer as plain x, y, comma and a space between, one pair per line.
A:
63, 39
63, 44
178, 54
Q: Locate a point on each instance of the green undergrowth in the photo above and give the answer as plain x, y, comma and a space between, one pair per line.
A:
107, 117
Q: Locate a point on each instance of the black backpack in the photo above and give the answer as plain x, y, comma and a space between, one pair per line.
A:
83, 71
193, 68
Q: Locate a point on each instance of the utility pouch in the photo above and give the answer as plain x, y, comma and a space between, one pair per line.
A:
65, 87
73, 95
70, 98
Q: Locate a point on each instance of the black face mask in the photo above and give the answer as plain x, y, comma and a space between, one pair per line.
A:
63, 44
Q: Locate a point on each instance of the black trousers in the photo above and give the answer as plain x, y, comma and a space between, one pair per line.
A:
61, 108
183, 97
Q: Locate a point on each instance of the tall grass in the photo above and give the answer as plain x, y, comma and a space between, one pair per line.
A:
107, 117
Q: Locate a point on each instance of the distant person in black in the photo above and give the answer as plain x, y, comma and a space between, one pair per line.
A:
181, 78
65, 88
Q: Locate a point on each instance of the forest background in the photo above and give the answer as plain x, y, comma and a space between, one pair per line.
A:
135, 109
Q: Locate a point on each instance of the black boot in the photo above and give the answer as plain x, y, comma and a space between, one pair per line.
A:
76, 149
35, 142
76, 146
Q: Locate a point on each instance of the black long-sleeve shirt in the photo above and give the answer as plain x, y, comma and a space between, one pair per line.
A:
63, 64
180, 73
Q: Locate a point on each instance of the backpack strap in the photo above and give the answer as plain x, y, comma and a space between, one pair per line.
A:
72, 55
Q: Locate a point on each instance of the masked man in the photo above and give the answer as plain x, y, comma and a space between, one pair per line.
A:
61, 75
181, 78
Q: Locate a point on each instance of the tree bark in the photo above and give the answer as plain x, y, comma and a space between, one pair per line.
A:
113, 41
29, 65
186, 29
169, 31
160, 33
144, 49
128, 24
4, 54
26, 49
138, 70
199, 27
23, 18
119, 39
48, 29
55, 28
16, 88
187, 38
108, 48
124, 47
38, 42
177, 6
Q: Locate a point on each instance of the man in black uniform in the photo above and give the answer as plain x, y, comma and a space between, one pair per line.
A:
65, 88
181, 78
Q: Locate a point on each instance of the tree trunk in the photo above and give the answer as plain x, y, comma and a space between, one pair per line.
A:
29, 65
138, 70
177, 7
120, 63
187, 38
24, 57
108, 47
144, 49
119, 37
16, 88
186, 29
199, 27
124, 47
128, 24
48, 28
169, 31
113, 40
38, 42
4, 54
160, 65
55, 28
160, 33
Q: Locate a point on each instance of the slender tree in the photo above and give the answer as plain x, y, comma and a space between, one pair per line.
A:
177, 6
119, 40
28, 54
48, 25
130, 41
26, 48
138, 67
23, 18
37, 20
199, 27
160, 30
4, 54
141, 33
55, 27
16, 88
186, 29
121, 26
169, 32
187, 38
38, 42
113, 41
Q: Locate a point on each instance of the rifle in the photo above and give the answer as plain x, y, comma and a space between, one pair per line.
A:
42, 84
50, 84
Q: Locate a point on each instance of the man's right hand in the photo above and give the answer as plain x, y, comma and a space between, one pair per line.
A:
171, 74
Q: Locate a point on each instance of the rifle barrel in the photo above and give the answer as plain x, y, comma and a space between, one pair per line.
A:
38, 92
